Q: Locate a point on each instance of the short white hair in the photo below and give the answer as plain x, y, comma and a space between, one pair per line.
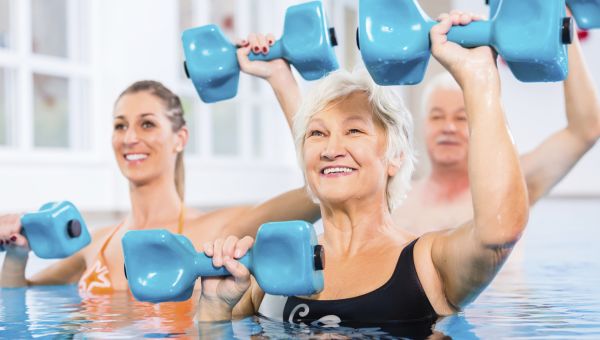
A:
387, 107
441, 81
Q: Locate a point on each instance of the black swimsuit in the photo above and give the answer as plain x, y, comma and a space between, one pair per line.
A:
400, 300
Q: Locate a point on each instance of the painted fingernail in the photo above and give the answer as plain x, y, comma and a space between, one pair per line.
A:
270, 42
256, 49
13, 238
264, 49
1, 242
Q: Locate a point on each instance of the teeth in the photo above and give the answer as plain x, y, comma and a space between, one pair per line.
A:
336, 170
135, 157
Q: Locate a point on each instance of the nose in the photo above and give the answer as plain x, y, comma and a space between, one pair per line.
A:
130, 137
449, 126
333, 149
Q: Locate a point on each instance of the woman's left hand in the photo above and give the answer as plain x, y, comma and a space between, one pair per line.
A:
464, 64
220, 294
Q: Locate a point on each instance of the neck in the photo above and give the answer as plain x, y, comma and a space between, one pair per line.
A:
154, 205
351, 227
447, 183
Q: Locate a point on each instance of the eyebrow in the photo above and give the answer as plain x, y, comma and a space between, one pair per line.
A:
142, 115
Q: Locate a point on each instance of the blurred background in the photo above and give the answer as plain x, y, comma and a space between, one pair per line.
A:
64, 62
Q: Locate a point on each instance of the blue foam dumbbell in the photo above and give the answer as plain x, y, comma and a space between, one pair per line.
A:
307, 43
531, 36
56, 230
586, 12
162, 266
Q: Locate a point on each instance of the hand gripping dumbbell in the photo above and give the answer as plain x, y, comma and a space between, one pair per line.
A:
530, 35
57, 230
162, 266
307, 43
586, 12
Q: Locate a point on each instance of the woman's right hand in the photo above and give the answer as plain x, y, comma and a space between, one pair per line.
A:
10, 234
467, 65
269, 70
221, 294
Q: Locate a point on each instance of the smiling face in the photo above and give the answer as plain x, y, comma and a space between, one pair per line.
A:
345, 152
446, 128
143, 140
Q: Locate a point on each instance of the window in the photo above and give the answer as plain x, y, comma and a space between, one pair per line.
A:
42, 44
5, 23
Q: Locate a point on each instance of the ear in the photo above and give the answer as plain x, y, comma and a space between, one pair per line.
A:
395, 164
182, 137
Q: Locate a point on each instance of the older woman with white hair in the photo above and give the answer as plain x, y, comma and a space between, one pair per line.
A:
354, 140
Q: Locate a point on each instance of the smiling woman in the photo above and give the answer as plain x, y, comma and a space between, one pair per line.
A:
148, 139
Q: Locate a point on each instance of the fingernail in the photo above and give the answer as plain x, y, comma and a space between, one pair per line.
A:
226, 259
13, 238
270, 42
256, 49
265, 49
1, 242
237, 254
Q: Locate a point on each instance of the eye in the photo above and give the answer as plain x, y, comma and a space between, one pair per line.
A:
354, 131
147, 124
315, 133
119, 126
461, 118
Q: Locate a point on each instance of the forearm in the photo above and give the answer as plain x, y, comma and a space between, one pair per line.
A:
13, 269
500, 204
288, 94
581, 98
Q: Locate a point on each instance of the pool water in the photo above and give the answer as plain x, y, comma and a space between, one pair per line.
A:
550, 288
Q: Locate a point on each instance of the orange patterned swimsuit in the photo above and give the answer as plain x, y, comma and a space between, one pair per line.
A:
96, 279
96, 288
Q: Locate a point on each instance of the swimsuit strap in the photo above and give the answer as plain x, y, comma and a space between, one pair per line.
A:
181, 219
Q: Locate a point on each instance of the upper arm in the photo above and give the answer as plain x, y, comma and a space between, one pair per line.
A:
465, 264
292, 205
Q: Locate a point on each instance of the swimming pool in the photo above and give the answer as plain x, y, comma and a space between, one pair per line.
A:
550, 288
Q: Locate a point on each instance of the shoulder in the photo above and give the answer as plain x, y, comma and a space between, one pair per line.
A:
211, 224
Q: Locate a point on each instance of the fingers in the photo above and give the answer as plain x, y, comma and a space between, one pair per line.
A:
439, 31
264, 46
18, 240
270, 39
259, 43
218, 252
240, 273
242, 246
253, 43
228, 248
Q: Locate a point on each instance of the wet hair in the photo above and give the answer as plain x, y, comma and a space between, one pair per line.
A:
174, 114
387, 107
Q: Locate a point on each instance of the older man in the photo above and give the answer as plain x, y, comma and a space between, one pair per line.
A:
443, 200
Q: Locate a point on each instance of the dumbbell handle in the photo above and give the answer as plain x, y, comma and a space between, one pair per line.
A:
477, 33
275, 52
204, 265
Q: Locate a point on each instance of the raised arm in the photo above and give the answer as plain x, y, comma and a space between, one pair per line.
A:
548, 163
466, 259
276, 72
